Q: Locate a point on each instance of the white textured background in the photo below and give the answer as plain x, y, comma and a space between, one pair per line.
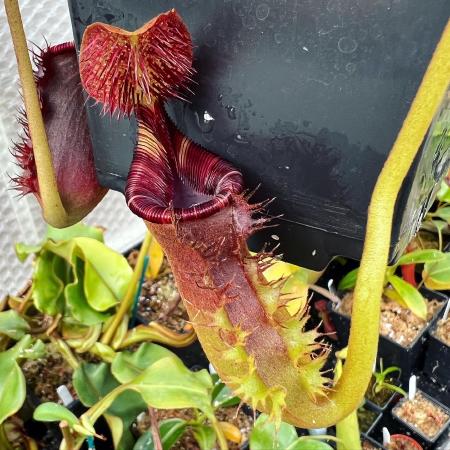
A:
20, 219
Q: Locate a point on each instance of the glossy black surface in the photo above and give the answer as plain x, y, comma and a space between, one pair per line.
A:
306, 97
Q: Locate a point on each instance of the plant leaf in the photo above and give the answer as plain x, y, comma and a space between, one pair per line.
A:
443, 194
436, 275
349, 281
264, 435
443, 213
52, 412
13, 325
128, 365
25, 250
420, 256
168, 384
77, 302
12, 385
78, 230
205, 436
92, 382
170, 431
309, 444
47, 287
410, 295
156, 256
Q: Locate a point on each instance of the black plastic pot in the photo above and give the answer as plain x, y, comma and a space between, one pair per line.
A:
437, 358
377, 418
372, 441
414, 432
408, 359
387, 403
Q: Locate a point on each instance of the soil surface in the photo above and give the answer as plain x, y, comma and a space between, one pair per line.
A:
382, 397
160, 300
397, 323
422, 414
366, 445
403, 444
45, 374
187, 442
443, 331
366, 418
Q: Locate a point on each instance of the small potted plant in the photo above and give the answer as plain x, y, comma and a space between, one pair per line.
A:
406, 312
437, 359
383, 387
403, 442
423, 417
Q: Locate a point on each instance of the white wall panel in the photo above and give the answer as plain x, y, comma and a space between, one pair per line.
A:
20, 218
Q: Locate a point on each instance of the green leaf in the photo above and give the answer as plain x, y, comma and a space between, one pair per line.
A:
13, 325
12, 385
410, 295
77, 230
128, 365
107, 267
420, 257
443, 194
349, 281
24, 250
92, 382
47, 287
436, 275
309, 444
205, 436
12, 381
265, 437
223, 396
52, 412
168, 384
443, 213
170, 431
77, 302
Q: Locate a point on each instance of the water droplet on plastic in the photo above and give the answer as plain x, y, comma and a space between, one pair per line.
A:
350, 67
275, 237
262, 11
205, 121
278, 37
347, 45
240, 139
231, 110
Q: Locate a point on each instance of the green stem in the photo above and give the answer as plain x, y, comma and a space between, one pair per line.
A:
66, 352
219, 433
4, 441
127, 302
54, 212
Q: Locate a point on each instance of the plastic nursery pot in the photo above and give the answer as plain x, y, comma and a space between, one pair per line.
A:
410, 429
403, 442
368, 418
384, 405
369, 443
437, 357
408, 359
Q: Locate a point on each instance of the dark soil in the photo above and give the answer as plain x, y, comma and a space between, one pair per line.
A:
443, 331
160, 300
379, 398
365, 418
187, 442
45, 374
403, 444
366, 445
397, 323
423, 415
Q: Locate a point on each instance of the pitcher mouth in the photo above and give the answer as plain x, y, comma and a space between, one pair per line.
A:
173, 179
